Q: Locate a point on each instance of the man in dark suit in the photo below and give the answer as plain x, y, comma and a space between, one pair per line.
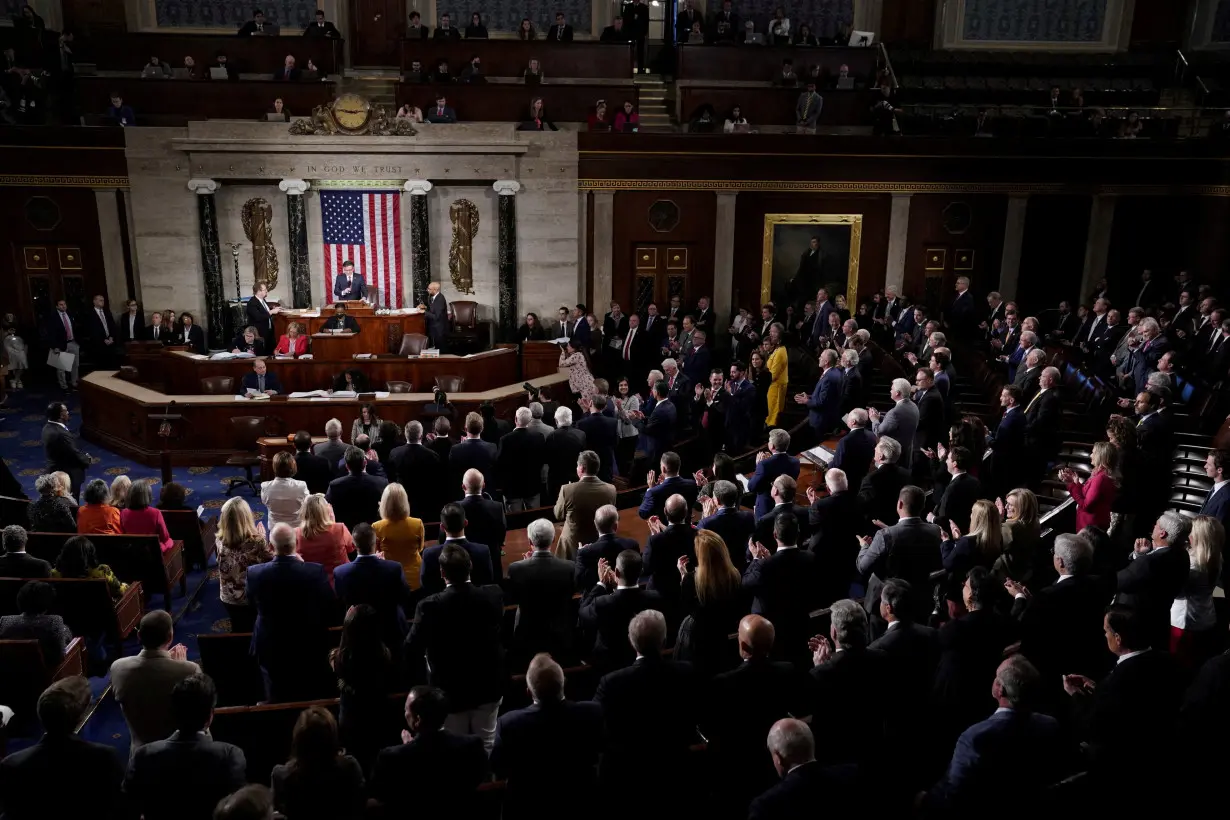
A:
340, 320
636, 350
105, 348
548, 752
600, 433
348, 284
1156, 575
453, 526
32, 781
658, 430
261, 381
471, 453
1217, 502
437, 315
824, 403
356, 496
260, 315
783, 586
606, 547
740, 396
912, 652
15, 562
734, 525
909, 550
853, 390
615, 323
611, 604
187, 774
316, 471
332, 449
157, 331
257, 26
60, 447
709, 405
433, 770
856, 450
484, 519
932, 426
560, 32
805, 783
416, 30
696, 362
1007, 443
844, 670
769, 465
446, 30
649, 711
578, 327
541, 586
663, 487
669, 540
376, 582
878, 494
961, 313
834, 525
455, 643
62, 333
562, 447
321, 28
1043, 419
131, 323
417, 468
294, 609
962, 491
518, 464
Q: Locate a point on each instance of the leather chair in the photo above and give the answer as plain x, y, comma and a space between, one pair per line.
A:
128, 373
400, 387
412, 344
465, 336
245, 430
451, 384
218, 386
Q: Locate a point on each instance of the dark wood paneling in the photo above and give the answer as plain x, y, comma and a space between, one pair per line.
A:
508, 58
1166, 235
985, 237
772, 105
908, 22
750, 210
376, 28
696, 230
40, 150
511, 103
1053, 255
752, 63
1158, 23
254, 55
87, 18
200, 99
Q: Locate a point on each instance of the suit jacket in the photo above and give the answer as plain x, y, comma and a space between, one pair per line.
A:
457, 632
1061, 628
562, 446
548, 754
766, 472
313, 470
824, 405
734, 526
649, 712
958, 500
437, 306
347, 322
23, 565
913, 652
294, 609
326, 29
1133, 709
193, 337
486, 522
32, 780
379, 583
661, 560
470, 454
654, 501
785, 591
910, 550
877, 495
260, 318
100, 329
763, 531
481, 571
901, 424
165, 334
850, 675
1150, 583
358, 288
562, 34
852, 393
696, 365
607, 614
602, 436
855, 453
60, 448
1217, 504
834, 523
356, 499
184, 776
54, 333
1008, 449
518, 463
1043, 419
576, 506
932, 424
585, 565
541, 586
799, 792
251, 382
658, 432
417, 468
612, 329
435, 772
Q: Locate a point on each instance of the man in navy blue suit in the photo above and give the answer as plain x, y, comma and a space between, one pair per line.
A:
601, 435
823, 308
663, 487
608, 546
436, 317
348, 284
453, 524
356, 496
696, 362
742, 395
1007, 443
723, 516
471, 453
777, 461
658, 429
1217, 503
856, 449
261, 381
577, 327
377, 582
824, 404
960, 317
294, 609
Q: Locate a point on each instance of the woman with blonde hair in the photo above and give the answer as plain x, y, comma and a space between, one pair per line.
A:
283, 497
1193, 621
711, 602
961, 553
1021, 533
320, 539
292, 342
1095, 495
778, 366
241, 544
401, 536
119, 492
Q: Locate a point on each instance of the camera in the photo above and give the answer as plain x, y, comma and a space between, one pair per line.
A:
440, 396
531, 390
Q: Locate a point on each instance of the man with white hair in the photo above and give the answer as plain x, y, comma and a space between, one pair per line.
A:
852, 384
1028, 342
678, 390
537, 424
607, 546
518, 464
769, 465
1043, 417
1029, 374
901, 422
805, 783
563, 445
1156, 574
824, 403
856, 449
294, 609
835, 524
1151, 347
541, 586
578, 503
417, 468
333, 450
960, 314
877, 495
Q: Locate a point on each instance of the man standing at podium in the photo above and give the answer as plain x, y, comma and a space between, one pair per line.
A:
348, 285
437, 315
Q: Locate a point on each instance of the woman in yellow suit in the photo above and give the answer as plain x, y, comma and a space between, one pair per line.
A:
777, 365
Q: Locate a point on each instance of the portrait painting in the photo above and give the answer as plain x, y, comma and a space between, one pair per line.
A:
806, 252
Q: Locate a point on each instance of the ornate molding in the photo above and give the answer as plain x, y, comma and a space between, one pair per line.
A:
855, 187
202, 187
417, 187
39, 181
351, 184
294, 187
506, 187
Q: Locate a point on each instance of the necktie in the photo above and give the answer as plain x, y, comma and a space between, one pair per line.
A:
68, 328
155, 333
260, 383
1215, 340
439, 112
628, 344
1033, 401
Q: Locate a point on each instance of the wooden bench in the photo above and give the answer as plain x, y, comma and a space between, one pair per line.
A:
227, 658
510, 102
199, 99
27, 673
199, 546
772, 105
509, 58
86, 606
131, 557
702, 62
263, 55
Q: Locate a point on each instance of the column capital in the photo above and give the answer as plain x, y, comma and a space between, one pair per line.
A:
506, 187
417, 187
202, 187
294, 187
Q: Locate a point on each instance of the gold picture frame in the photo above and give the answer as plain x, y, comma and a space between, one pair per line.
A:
771, 223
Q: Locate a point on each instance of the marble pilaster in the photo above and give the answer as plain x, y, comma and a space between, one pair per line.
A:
211, 261
724, 257
1014, 241
420, 238
296, 224
898, 241
604, 247
112, 234
1097, 246
507, 257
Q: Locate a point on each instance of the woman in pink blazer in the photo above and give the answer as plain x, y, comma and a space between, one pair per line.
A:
141, 517
1096, 495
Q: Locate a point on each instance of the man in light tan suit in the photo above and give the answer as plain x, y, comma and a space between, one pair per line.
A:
577, 504
142, 684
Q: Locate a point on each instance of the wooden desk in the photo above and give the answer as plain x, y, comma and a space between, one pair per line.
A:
539, 359
336, 346
770, 105
377, 334
270, 446
254, 55
482, 371
508, 58
200, 99
764, 63
500, 102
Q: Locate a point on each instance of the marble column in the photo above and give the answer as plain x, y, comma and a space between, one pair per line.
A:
112, 234
420, 238
211, 261
604, 248
723, 258
898, 242
1014, 241
506, 254
1097, 246
296, 222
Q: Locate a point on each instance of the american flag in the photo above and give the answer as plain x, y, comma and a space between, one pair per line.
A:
364, 227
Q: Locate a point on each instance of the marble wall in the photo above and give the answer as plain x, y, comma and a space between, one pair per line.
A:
439, 201
230, 230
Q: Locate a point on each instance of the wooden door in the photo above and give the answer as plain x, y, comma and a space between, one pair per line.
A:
376, 28
50, 272
658, 273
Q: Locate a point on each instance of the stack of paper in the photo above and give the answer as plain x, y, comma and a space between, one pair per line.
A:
820, 454
309, 394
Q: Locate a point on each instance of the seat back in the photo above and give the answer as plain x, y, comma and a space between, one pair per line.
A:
14, 511
400, 387
451, 384
218, 386
226, 657
412, 344
183, 525
465, 314
26, 675
131, 557
245, 430
86, 606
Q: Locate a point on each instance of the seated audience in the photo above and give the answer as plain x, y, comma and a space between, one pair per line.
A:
35, 623
283, 496
15, 562
736, 123
190, 334
320, 539
51, 511
476, 30
626, 118
240, 544
118, 495
171, 497
260, 381
598, 120
287, 72
142, 683
399, 535
441, 112
532, 74
140, 518
156, 68
537, 121
320, 780
77, 559
97, 517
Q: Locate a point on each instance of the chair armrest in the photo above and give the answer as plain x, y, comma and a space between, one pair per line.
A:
74, 661
173, 562
129, 609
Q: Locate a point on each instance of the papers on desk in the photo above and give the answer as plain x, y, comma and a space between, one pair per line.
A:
819, 455
382, 394
224, 356
61, 361
429, 353
306, 356
309, 394
253, 393
364, 355
562, 340
743, 482
345, 394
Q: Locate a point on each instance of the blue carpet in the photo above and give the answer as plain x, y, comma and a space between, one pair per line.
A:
200, 611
